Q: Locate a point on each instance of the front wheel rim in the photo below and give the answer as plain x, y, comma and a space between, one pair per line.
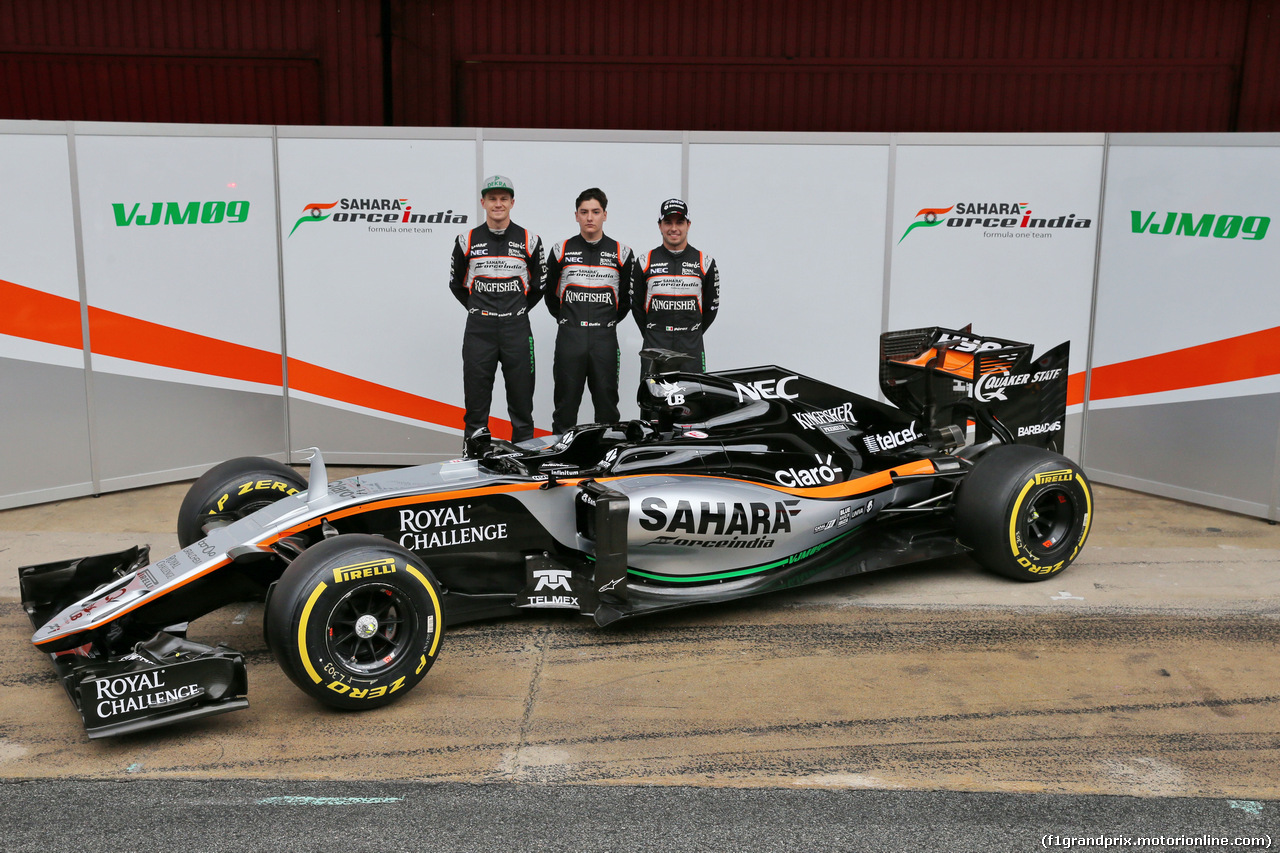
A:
370, 629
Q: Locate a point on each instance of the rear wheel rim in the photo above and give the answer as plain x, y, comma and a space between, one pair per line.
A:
1048, 521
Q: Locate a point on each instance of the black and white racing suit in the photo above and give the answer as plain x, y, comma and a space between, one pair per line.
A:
675, 297
497, 276
588, 292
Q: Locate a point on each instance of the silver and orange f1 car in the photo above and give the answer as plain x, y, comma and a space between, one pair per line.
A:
730, 484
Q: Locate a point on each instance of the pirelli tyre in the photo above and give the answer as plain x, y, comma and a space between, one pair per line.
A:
355, 621
1024, 511
232, 490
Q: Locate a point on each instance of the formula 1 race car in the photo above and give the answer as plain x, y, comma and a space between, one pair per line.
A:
730, 484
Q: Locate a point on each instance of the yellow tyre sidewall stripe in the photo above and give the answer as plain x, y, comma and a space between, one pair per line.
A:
302, 631
1088, 514
435, 603
1017, 512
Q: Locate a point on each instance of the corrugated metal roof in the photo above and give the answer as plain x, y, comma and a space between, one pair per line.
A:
995, 65
914, 65
1260, 75
153, 88
225, 61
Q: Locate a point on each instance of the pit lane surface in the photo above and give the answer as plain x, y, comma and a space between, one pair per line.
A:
1148, 669
214, 816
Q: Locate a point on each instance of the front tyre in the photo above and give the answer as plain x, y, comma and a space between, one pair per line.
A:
1024, 511
232, 490
355, 621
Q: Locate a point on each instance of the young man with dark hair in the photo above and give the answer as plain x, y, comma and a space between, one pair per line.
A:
497, 274
676, 290
588, 292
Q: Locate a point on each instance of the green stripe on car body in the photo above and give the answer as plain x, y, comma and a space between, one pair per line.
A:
737, 573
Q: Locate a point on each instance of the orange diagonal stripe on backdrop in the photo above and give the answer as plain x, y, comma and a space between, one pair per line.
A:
1075, 389
35, 315
312, 379
122, 336
1230, 360
39, 316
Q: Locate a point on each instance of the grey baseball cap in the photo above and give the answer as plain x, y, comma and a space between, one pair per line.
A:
498, 182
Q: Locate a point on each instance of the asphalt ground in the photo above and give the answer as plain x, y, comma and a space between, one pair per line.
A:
934, 697
213, 817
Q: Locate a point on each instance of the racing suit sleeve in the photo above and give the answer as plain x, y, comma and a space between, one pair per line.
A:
638, 292
626, 264
555, 266
537, 271
710, 291
458, 270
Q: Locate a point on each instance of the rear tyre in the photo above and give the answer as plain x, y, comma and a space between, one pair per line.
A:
355, 621
232, 490
1024, 511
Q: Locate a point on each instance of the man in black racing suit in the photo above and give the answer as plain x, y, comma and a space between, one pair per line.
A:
497, 274
676, 290
588, 292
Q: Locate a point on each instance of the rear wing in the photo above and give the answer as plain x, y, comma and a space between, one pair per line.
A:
953, 377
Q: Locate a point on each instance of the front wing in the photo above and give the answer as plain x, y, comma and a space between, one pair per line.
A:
163, 680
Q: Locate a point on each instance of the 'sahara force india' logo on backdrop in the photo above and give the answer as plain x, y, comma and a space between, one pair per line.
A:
1007, 219
374, 211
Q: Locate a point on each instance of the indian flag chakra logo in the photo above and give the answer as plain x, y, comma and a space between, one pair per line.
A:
930, 218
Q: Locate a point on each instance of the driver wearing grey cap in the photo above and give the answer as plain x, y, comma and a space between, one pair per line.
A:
497, 274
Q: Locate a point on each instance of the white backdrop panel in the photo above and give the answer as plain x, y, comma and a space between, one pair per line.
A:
37, 237
44, 436
217, 276
1163, 292
37, 240
372, 300
180, 231
1189, 256
637, 177
1032, 284
798, 234
1006, 250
